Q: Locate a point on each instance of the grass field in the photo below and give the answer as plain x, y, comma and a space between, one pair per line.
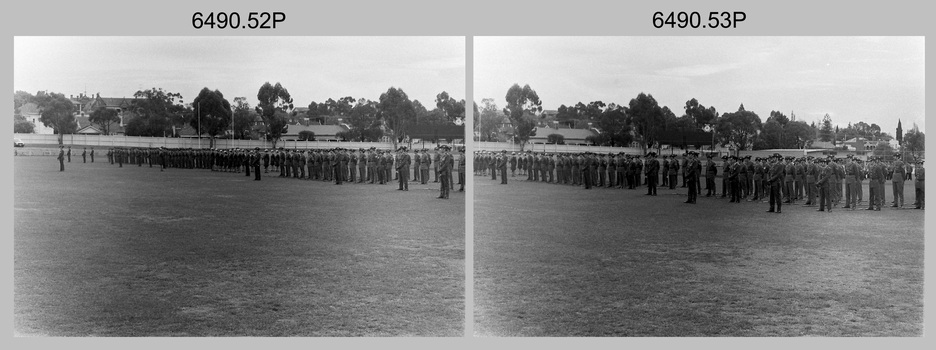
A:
556, 260
107, 251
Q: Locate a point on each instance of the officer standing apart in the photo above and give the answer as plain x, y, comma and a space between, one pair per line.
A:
61, 158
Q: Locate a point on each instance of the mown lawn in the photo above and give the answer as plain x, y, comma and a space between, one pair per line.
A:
107, 251
556, 260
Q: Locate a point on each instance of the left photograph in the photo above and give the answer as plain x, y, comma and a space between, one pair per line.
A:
239, 186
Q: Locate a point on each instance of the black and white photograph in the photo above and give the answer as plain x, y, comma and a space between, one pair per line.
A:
250, 186
693, 186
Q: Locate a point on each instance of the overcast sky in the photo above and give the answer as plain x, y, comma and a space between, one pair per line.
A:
871, 79
310, 68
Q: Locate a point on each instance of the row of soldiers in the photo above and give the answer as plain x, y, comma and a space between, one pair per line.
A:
337, 164
831, 179
587, 169
742, 177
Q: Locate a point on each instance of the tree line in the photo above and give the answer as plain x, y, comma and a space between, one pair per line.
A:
644, 121
156, 112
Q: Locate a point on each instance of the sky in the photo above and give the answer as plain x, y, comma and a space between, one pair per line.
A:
310, 68
872, 79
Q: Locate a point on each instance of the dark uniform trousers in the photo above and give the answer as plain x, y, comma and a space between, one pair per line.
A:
775, 196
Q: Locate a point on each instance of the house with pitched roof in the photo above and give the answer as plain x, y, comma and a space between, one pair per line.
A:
322, 132
570, 136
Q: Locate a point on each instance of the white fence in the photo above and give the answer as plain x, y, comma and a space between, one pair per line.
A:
172, 142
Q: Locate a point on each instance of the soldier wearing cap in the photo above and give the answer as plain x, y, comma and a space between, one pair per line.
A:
725, 166
673, 172
757, 179
851, 174
799, 179
839, 169
462, 161
788, 172
61, 158
876, 184
825, 182
734, 179
774, 179
652, 172
743, 188
501, 166
899, 173
691, 177
402, 167
918, 185
445, 169
424, 161
255, 163
513, 164
710, 172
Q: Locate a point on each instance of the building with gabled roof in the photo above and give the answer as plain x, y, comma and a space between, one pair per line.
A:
570, 136
322, 132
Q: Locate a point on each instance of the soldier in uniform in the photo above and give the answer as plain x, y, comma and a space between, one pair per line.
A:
851, 192
462, 161
919, 188
760, 173
799, 179
92, 154
69, 154
501, 165
402, 167
742, 178
692, 174
876, 184
775, 180
825, 182
255, 162
425, 160
710, 172
653, 167
435, 165
445, 169
665, 165
898, 175
789, 171
587, 170
362, 165
734, 179
673, 172
61, 158
84, 153
839, 171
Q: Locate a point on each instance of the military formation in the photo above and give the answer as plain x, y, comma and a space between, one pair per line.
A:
825, 182
338, 165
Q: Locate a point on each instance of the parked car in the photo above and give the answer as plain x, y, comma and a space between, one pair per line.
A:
18, 143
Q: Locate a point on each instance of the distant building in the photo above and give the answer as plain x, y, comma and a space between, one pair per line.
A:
322, 132
31, 112
570, 136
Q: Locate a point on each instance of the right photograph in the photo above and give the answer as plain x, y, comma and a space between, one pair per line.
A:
699, 186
